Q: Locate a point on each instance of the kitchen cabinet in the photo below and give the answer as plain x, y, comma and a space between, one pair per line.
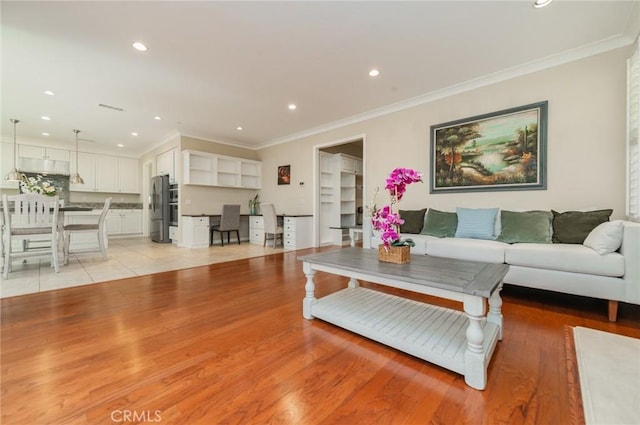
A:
106, 173
195, 231
166, 163
38, 152
128, 175
207, 169
124, 222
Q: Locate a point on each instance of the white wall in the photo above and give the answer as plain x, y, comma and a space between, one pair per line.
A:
585, 142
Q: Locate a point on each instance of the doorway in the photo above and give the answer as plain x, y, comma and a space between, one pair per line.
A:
339, 189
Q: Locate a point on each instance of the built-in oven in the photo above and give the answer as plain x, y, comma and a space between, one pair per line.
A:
173, 205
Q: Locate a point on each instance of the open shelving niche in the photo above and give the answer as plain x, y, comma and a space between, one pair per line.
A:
208, 169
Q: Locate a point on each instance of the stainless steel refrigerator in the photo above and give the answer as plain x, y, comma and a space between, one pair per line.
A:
160, 209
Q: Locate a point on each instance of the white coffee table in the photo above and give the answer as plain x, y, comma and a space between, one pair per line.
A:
459, 341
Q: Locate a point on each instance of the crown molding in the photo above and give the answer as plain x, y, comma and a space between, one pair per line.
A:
567, 56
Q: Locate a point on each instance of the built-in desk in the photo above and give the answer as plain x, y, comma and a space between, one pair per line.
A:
298, 230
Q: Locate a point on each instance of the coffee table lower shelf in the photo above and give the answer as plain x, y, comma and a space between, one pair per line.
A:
432, 333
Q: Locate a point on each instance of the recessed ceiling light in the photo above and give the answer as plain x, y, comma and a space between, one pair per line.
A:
49, 92
134, 133
374, 73
292, 106
120, 145
239, 128
541, 3
45, 118
140, 46
45, 134
157, 118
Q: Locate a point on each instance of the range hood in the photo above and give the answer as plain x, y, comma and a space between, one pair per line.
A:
43, 166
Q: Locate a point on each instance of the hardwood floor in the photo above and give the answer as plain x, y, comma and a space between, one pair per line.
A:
227, 344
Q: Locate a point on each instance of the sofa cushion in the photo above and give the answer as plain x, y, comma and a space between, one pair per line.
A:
574, 226
605, 238
527, 226
476, 223
565, 257
467, 249
440, 224
413, 220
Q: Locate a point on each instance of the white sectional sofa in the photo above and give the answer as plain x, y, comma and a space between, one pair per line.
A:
563, 267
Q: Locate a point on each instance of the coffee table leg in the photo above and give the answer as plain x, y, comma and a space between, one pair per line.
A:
475, 374
495, 310
309, 288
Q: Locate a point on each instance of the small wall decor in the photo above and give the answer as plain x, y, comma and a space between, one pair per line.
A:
503, 150
284, 174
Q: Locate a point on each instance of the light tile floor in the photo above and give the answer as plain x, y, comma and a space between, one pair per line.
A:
127, 258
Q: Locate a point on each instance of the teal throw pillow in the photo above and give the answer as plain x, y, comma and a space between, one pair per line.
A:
476, 223
527, 227
575, 226
413, 220
440, 224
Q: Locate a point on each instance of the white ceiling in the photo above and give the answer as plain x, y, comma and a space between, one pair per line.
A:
213, 66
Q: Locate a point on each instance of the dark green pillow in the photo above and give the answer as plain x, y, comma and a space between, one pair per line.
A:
413, 220
575, 226
440, 224
527, 226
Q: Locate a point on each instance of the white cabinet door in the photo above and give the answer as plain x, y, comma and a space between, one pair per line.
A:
128, 175
38, 152
86, 168
195, 232
107, 173
131, 222
166, 164
6, 164
113, 223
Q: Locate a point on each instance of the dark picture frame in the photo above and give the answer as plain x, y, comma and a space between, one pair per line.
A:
502, 150
284, 174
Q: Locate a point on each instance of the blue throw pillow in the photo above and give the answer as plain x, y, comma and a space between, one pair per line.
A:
476, 223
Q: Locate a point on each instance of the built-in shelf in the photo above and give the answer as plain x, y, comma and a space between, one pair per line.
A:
207, 169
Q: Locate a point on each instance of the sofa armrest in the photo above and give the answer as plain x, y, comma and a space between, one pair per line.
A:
630, 248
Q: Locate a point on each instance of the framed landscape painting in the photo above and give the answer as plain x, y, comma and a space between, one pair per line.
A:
503, 150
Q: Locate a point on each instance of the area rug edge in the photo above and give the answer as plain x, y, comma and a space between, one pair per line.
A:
576, 409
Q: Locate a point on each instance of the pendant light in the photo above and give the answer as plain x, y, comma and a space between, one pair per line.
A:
14, 175
76, 179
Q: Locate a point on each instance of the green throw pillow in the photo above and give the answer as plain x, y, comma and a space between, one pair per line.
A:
528, 226
440, 224
413, 220
575, 226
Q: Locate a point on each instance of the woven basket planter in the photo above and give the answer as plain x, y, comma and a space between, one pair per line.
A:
396, 254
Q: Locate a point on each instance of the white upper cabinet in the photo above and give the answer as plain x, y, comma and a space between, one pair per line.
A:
105, 173
37, 152
166, 163
350, 164
207, 169
129, 175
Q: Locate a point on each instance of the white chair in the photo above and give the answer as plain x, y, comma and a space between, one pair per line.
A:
26, 216
271, 228
229, 222
97, 228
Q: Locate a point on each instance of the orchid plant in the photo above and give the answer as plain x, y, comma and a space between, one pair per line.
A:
384, 219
